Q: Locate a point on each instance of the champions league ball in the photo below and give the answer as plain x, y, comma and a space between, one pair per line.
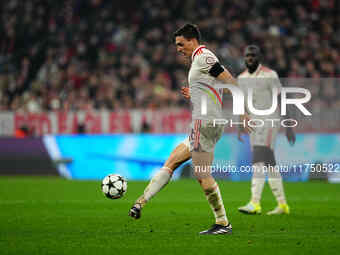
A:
114, 186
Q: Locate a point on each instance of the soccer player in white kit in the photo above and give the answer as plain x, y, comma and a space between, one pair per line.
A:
262, 140
205, 72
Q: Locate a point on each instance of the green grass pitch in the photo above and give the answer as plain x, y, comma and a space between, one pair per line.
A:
57, 216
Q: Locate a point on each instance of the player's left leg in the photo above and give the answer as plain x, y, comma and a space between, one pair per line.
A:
179, 155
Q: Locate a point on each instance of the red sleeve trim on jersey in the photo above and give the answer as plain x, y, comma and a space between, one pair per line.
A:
266, 69
259, 69
197, 51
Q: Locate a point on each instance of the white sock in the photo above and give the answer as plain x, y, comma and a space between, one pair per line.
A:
257, 182
276, 185
216, 203
160, 179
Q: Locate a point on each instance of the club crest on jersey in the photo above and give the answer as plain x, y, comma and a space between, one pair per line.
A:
210, 60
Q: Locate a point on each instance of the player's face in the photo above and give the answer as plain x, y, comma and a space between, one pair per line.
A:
251, 60
184, 46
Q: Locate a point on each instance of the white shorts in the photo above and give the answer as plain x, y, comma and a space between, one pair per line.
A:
204, 135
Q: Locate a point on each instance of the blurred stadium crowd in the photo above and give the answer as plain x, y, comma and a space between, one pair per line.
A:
96, 54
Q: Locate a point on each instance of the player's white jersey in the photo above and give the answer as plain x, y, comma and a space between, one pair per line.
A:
201, 83
262, 81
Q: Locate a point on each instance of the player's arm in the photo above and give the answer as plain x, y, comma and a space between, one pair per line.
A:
243, 130
223, 75
209, 63
227, 78
290, 134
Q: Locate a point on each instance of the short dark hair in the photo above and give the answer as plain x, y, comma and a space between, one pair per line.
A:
252, 49
188, 31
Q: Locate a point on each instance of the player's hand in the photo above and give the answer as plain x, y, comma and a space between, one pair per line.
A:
239, 133
290, 136
246, 129
185, 92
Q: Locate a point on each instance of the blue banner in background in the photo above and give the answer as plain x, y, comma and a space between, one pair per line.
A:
132, 156
139, 156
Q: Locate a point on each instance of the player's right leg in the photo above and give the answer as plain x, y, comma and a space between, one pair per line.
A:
203, 139
178, 156
257, 183
262, 141
257, 137
202, 161
276, 185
